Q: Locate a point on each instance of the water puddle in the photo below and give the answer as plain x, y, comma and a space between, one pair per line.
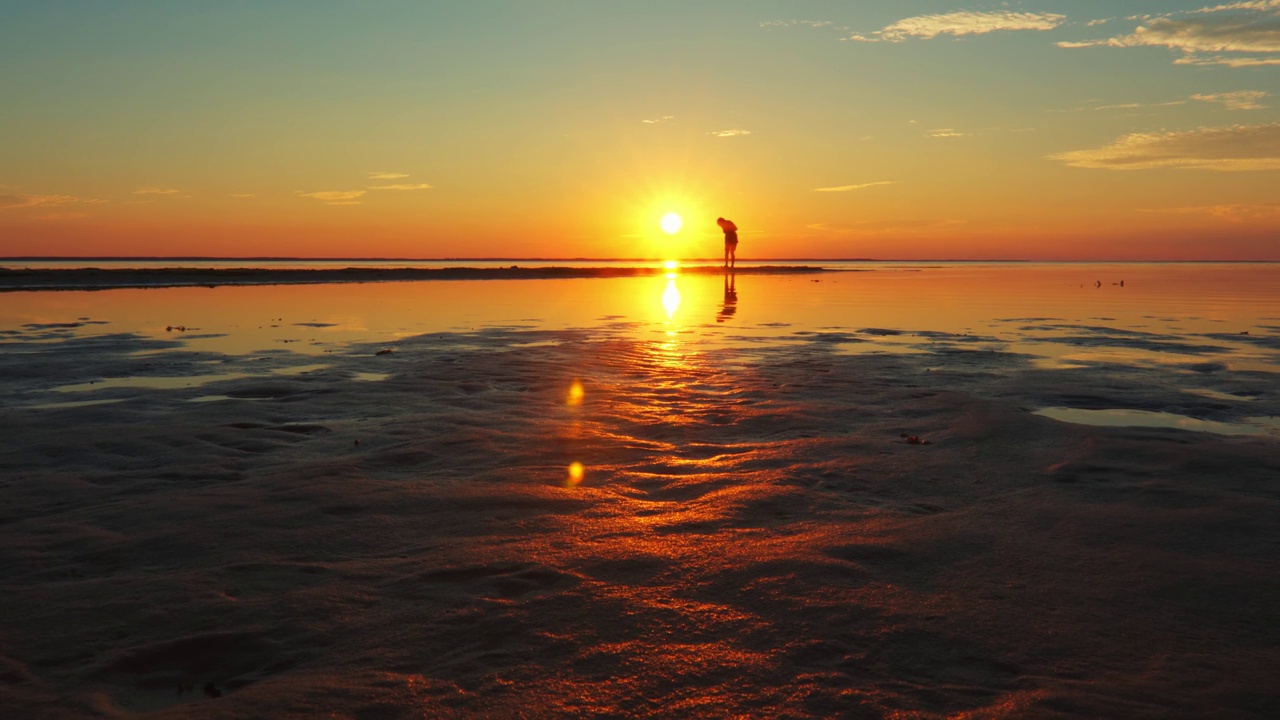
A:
1218, 394
300, 369
152, 382
73, 404
176, 382
1121, 417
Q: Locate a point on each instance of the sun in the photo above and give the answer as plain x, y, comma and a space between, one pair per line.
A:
671, 223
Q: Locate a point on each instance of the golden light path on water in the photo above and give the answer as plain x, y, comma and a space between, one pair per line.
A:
668, 354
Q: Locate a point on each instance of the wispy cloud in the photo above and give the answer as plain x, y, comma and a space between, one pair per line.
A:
886, 227
1243, 5
384, 175
729, 133
658, 120
335, 197
57, 216
242, 195
964, 22
1232, 148
778, 24
153, 190
947, 133
1238, 100
1234, 212
1232, 62
847, 188
1138, 106
1247, 32
417, 186
14, 202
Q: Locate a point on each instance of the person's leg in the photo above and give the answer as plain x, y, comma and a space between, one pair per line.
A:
726, 254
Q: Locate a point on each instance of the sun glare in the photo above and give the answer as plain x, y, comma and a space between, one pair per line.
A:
671, 223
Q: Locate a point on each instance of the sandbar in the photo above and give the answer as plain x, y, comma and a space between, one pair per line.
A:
16, 279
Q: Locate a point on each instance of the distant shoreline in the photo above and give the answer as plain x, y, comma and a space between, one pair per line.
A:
13, 280
285, 258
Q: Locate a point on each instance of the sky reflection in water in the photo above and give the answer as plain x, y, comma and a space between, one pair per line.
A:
1061, 315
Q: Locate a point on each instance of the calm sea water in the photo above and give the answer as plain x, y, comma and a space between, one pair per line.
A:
1171, 319
1162, 313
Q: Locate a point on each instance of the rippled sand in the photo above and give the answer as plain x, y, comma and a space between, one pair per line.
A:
752, 534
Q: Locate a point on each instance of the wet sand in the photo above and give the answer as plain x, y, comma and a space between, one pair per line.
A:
18, 279
752, 535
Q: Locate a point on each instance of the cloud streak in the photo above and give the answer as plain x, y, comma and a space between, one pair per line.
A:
778, 24
729, 133
1247, 32
887, 227
1137, 106
964, 22
1234, 212
384, 175
335, 197
15, 202
416, 186
848, 188
153, 190
1235, 148
1238, 100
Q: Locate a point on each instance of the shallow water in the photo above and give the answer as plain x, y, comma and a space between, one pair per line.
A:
617, 498
1184, 318
1146, 418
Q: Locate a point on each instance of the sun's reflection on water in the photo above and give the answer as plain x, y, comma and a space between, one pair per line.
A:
671, 297
576, 472
671, 304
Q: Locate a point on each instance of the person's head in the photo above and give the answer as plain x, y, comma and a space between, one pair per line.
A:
720, 222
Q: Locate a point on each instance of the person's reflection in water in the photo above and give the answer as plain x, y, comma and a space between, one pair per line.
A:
730, 297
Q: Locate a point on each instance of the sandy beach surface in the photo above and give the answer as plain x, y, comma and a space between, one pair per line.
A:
525, 522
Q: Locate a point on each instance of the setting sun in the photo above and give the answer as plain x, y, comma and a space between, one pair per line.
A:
671, 223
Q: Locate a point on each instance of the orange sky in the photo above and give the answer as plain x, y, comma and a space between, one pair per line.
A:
904, 130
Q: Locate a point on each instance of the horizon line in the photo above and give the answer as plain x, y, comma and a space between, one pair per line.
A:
262, 258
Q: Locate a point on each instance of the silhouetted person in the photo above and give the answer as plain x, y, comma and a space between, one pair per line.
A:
730, 298
730, 241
